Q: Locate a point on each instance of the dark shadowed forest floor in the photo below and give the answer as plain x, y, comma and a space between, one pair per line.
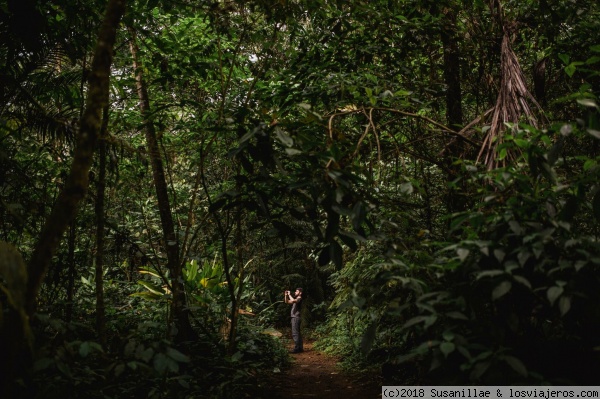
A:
313, 374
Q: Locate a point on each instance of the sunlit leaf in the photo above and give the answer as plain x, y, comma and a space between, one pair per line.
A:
553, 293
594, 132
570, 69
292, 151
284, 137
587, 102
177, 356
564, 304
499, 254
522, 280
516, 365
501, 289
430, 320
456, 315
447, 347
515, 227
490, 273
564, 58
155, 289
462, 253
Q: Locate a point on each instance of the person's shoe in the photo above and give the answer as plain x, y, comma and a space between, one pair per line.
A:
297, 351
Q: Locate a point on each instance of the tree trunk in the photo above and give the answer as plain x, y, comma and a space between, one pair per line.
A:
452, 70
77, 182
71, 273
99, 210
235, 303
454, 116
179, 312
16, 338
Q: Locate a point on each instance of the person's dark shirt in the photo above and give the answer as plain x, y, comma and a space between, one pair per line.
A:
297, 307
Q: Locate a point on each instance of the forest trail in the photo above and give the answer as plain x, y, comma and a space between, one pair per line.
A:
314, 374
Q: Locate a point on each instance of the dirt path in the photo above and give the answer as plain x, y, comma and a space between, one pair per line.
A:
314, 374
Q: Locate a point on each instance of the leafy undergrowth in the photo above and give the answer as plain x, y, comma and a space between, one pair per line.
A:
141, 364
510, 298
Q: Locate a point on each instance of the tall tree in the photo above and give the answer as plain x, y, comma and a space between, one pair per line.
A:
78, 180
180, 314
449, 36
100, 219
454, 103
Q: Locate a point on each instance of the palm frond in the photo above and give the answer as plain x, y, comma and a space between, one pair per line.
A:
42, 94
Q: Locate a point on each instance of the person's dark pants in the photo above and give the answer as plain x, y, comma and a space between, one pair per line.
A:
297, 337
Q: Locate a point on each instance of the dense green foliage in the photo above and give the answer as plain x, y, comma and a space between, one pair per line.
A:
443, 232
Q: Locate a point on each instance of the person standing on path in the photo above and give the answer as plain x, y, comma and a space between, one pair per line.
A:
296, 309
